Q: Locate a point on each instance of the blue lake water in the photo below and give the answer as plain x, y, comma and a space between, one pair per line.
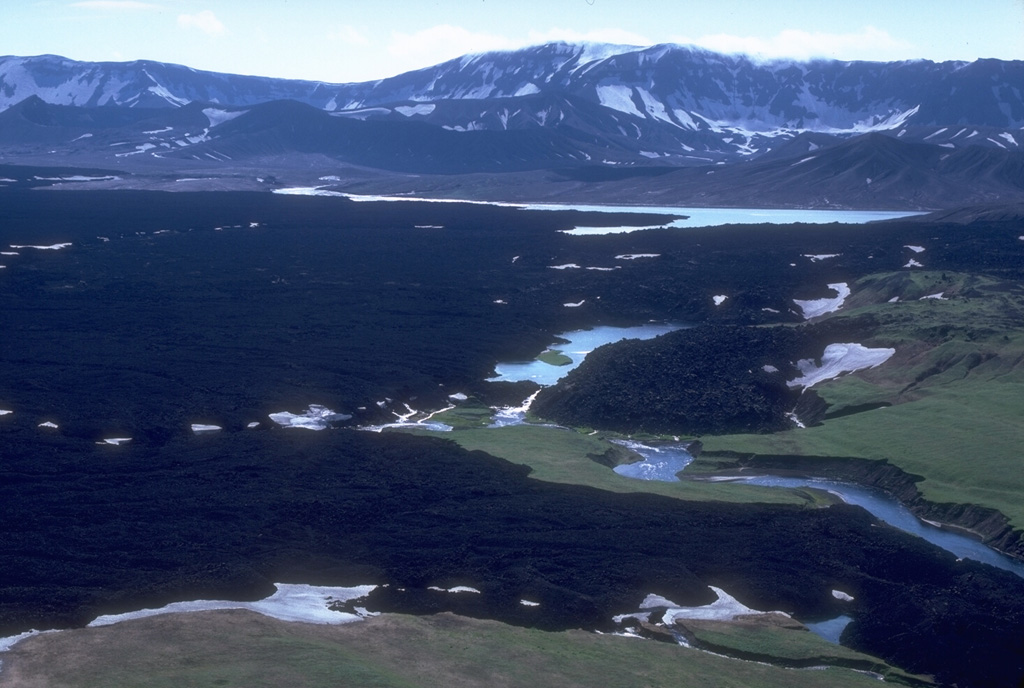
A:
830, 629
715, 217
658, 464
580, 343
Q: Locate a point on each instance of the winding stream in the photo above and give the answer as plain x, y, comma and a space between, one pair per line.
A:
660, 464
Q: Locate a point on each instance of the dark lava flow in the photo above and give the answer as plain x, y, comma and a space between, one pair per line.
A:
329, 301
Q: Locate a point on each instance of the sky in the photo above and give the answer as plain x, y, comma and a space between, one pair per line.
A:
360, 40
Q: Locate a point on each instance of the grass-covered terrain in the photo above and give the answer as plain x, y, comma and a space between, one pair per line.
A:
954, 390
240, 648
559, 455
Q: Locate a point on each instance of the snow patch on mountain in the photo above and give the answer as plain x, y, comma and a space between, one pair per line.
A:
618, 97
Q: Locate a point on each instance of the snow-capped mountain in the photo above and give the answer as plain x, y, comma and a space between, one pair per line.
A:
585, 104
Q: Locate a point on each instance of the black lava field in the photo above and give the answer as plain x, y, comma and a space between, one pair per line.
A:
171, 309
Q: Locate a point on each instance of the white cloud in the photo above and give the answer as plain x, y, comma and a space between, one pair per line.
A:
442, 42
348, 34
206, 21
869, 43
608, 35
115, 5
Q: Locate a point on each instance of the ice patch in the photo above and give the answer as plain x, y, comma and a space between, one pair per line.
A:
720, 299
915, 249
815, 307
316, 418
305, 603
839, 359
199, 427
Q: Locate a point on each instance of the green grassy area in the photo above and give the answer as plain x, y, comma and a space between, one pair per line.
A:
554, 357
240, 648
561, 456
956, 385
783, 644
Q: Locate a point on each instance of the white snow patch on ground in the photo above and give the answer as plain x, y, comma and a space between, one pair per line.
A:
5, 412
200, 427
52, 247
528, 603
719, 299
116, 440
307, 191
839, 359
1009, 138
618, 98
48, 424
220, 116
821, 256
458, 397
617, 267
937, 297
840, 595
815, 307
305, 603
316, 418
634, 256
567, 266
527, 89
153, 131
457, 588
575, 305
913, 264
410, 110
252, 425
915, 249
769, 369
9, 253
725, 608
893, 299
798, 162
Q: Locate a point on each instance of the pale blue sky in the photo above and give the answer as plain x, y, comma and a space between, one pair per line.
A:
357, 40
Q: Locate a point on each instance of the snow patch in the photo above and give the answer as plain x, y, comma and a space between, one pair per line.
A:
821, 256
913, 264
1009, 138
5, 412
317, 417
815, 307
200, 427
52, 247
840, 595
719, 299
915, 249
527, 89
839, 359
567, 266
618, 98
528, 603
575, 305
420, 109
48, 424
634, 256
116, 440
937, 297
304, 603
217, 117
